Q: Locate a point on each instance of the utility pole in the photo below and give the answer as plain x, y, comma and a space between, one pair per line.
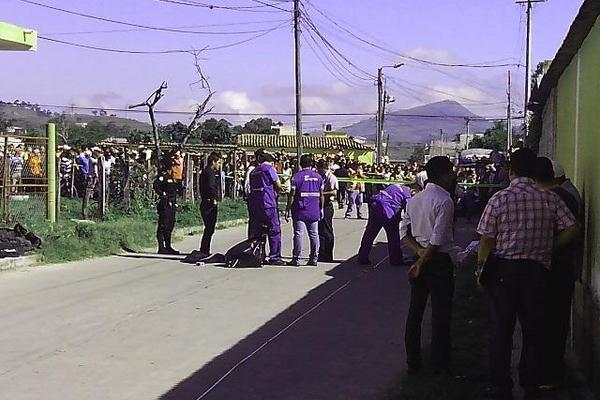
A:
468, 123
443, 142
380, 109
379, 133
298, 82
508, 118
529, 5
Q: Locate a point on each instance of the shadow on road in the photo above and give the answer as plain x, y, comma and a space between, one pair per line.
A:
348, 345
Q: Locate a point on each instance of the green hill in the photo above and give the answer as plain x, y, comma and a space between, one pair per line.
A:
34, 119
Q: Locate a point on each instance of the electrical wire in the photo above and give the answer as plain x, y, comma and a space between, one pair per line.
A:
249, 114
171, 27
406, 56
217, 7
119, 22
173, 51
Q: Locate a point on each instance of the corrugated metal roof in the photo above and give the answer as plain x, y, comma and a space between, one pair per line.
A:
308, 142
583, 23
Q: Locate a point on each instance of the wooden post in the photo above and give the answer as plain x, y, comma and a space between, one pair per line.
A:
101, 187
7, 182
51, 172
189, 177
235, 178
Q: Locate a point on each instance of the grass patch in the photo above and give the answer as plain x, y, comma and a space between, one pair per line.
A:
69, 240
469, 376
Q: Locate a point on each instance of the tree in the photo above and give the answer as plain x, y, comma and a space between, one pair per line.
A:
151, 102
259, 126
173, 132
418, 154
215, 131
201, 109
493, 138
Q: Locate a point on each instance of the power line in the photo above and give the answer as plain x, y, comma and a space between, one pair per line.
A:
114, 21
172, 51
405, 56
248, 114
174, 27
217, 7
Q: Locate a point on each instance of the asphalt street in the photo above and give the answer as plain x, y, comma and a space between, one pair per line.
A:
140, 326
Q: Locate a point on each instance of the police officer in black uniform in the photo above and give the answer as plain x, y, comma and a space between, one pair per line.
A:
166, 187
330, 191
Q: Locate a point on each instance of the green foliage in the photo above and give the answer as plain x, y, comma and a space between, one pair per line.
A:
493, 138
216, 131
259, 126
173, 132
418, 154
70, 239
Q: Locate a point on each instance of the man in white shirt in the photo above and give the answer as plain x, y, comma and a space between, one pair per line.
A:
427, 228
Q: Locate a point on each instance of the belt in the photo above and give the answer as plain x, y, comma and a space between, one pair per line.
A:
310, 194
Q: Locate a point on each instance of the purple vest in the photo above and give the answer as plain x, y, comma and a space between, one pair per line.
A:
262, 192
392, 199
307, 185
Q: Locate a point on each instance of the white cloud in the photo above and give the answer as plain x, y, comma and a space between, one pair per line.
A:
316, 104
237, 102
459, 94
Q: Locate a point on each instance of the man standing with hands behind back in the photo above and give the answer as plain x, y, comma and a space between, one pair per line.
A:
427, 228
209, 192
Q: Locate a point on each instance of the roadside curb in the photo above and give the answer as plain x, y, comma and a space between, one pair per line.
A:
195, 230
12, 263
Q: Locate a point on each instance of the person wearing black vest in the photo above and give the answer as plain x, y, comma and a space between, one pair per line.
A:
166, 187
209, 193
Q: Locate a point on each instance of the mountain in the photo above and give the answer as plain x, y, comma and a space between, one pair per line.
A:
35, 119
413, 126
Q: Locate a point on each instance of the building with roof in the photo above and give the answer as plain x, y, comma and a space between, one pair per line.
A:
325, 145
13, 38
566, 101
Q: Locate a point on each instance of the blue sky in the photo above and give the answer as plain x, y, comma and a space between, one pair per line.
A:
258, 75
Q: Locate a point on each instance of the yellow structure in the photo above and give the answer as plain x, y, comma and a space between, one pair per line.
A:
13, 37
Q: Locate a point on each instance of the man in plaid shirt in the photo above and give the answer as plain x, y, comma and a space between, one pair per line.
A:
520, 226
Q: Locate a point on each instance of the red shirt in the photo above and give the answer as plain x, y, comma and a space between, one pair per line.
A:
524, 220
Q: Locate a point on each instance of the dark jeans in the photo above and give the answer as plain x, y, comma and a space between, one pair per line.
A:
436, 279
326, 236
559, 294
516, 290
209, 212
166, 223
378, 220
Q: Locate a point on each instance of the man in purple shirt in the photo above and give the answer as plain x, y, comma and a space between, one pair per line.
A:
264, 185
306, 205
385, 211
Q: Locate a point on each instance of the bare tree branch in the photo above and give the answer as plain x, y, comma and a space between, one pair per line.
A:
150, 102
201, 109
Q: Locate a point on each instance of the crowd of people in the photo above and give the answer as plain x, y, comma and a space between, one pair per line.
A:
26, 165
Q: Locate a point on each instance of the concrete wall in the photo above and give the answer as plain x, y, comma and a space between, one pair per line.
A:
577, 119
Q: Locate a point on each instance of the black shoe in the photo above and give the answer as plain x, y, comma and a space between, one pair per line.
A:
312, 263
163, 251
172, 251
293, 263
278, 262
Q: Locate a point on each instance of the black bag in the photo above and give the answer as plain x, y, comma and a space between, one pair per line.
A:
249, 253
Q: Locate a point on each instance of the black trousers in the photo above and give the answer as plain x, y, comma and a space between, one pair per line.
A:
326, 236
436, 279
166, 223
516, 289
208, 210
558, 298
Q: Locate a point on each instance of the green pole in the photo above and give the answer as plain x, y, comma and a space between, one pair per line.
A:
51, 152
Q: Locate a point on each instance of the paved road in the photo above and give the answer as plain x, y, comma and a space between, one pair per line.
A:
155, 328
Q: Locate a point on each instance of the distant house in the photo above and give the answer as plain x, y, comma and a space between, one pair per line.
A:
567, 102
281, 129
15, 130
81, 124
320, 145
